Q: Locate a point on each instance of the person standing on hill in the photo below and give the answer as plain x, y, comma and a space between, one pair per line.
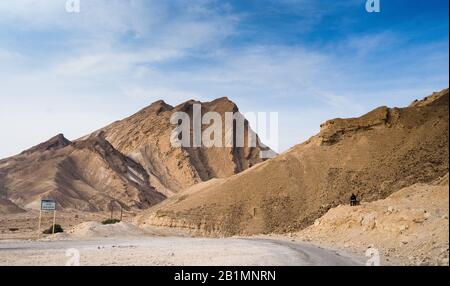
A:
353, 200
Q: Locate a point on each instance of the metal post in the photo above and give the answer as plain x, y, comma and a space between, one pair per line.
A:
39, 226
54, 221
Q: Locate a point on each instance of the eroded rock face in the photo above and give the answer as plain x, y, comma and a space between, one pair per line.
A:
84, 175
334, 130
371, 156
145, 137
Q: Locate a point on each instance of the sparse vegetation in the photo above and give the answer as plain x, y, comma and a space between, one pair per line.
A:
111, 221
58, 229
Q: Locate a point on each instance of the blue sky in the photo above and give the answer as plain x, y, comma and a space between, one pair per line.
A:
309, 60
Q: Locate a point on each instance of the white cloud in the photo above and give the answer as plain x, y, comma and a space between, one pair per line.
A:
110, 62
156, 22
99, 15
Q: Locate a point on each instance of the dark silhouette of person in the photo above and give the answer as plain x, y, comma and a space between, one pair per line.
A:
353, 200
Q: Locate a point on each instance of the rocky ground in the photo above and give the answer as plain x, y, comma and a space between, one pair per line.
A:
410, 227
24, 225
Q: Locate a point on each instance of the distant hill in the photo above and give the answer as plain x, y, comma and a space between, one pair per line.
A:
84, 175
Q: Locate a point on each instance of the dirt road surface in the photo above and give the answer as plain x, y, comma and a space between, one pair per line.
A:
179, 251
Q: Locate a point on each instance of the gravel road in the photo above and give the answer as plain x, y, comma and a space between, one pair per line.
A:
177, 251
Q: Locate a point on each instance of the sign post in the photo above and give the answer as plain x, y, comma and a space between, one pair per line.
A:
47, 205
39, 227
54, 221
112, 210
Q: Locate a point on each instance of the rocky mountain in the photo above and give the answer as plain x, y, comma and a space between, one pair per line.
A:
145, 137
84, 175
372, 156
130, 162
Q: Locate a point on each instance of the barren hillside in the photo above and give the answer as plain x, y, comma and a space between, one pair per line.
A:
372, 156
7, 207
85, 175
145, 137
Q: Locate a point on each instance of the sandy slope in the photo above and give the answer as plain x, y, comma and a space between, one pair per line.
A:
409, 227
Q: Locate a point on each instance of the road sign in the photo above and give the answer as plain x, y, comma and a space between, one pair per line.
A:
48, 205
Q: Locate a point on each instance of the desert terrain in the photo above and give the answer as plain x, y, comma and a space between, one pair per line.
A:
227, 206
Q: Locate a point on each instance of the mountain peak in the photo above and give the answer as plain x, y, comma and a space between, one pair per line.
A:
187, 105
223, 104
159, 106
222, 99
54, 143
